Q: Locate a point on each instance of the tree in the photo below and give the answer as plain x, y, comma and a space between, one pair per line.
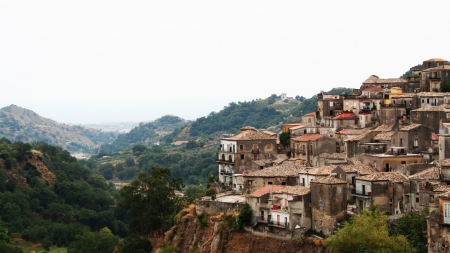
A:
101, 242
367, 232
412, 227
135, 244
138, 148
150, 200
445, 86
244, 217
285, 139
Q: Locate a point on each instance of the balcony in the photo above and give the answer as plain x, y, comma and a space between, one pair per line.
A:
360, 193
435, 77
278, 224
279, 208
227, 173
300, 151
256, 151
260, 219
226, 161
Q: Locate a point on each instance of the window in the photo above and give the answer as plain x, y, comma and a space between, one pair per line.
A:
403, 162
283, 183
417, 199
401, 142
255, 157
331, 104
428, 100
269, 182
242, 157
241, 147
416, 143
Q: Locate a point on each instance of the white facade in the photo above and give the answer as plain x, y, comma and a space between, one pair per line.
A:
305, 179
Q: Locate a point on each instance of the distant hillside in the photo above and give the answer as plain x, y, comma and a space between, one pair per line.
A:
146, 133
20, 124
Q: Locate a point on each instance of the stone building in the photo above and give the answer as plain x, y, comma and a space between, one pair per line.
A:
384, 189
414, 137
327, 105
438, 226
237, 153
309, 174
307, 148
421, 186
433, 77
386, 162
281, 208
430, 116
375, 81
328, 202
283, 174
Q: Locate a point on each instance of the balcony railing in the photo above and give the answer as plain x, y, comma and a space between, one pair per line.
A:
435, 78
279, 208
360, 193
300, 151
224, 161
256, 151
280, 224
260, 219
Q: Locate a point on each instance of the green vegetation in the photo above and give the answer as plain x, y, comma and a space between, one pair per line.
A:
412, 226
445, 86
47, 197
367, 232
101, 242
145, 133
151, 200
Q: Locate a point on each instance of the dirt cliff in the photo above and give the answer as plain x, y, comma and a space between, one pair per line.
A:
213, 234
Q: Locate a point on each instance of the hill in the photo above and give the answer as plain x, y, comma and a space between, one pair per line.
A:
146, 133
260, 113
20, 124
48, 198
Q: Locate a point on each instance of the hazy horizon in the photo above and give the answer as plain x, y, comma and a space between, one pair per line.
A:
88, 62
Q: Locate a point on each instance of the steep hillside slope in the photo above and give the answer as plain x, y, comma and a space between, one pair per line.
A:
189, 235
20, 124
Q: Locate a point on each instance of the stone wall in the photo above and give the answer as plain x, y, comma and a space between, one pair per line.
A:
216, 207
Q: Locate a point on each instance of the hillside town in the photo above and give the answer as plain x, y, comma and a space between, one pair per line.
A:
387, 144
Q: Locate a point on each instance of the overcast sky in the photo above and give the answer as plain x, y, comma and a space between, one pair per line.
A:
116, 61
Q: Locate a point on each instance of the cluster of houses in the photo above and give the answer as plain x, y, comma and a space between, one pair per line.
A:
386, 144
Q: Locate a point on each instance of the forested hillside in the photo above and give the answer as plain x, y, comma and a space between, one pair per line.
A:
257, 113
20, 124
47, 197
145, 133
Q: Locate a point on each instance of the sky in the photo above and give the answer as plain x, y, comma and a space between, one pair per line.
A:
132, 61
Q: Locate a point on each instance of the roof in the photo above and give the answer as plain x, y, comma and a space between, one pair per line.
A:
443, 67
372, 89
384, 136
250, 133
353, 131
262, 162
309, 137
358, 137
373, 79
279, 158
346, 115
431, 108
442, 188
409, 127
431, 173
295, 190
431, 94
384, 127
310, 114
298, 127
360, 168
445, 162
338, 156
328, 180
286, 169
268, 132
266, 189
320, 171
436, 59
394, 177
434, 137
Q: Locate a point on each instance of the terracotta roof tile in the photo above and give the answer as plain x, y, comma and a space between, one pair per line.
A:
286, 169
443, 67
266, 189
445, 195
409, 127
445, 162
442, 188
434, 137
338, 156
311, 114
345, 115
320, 171
431, 173
373, 79
361, 169
384, 128
328, 180
384, 136
309, 137
250, 133
296, 190
395, 177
